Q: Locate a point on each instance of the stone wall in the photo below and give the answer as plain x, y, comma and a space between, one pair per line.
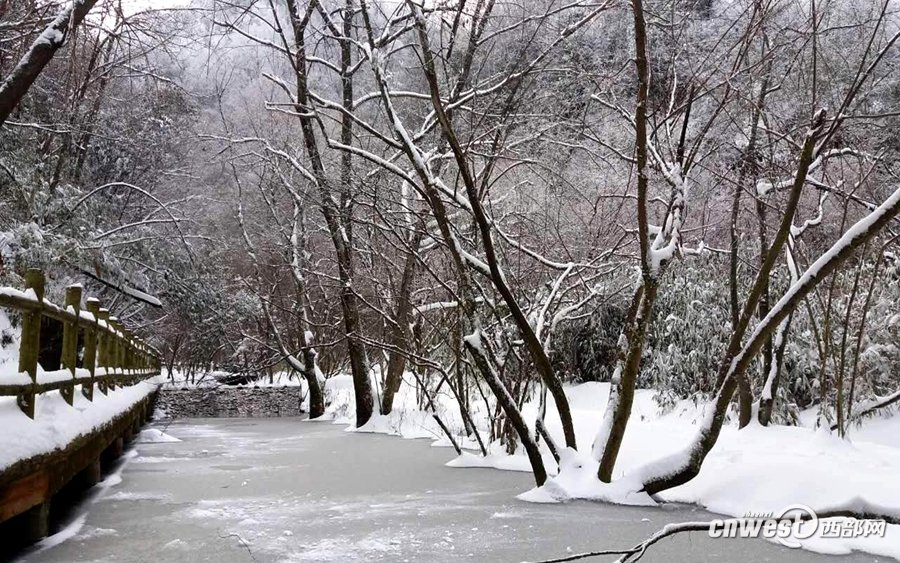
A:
224, 402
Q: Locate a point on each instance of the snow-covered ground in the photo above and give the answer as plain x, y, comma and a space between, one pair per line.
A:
754, 470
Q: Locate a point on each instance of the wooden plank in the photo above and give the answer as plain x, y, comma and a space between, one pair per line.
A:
90, 348
21, 495
70, 341
119, 379
32, 481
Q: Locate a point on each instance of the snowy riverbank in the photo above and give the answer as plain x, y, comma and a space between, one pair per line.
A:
754, 470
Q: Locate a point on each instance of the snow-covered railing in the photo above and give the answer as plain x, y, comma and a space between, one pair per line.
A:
110, 354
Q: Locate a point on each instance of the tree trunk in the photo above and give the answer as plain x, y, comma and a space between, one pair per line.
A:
688, 466
770, 390
475, 345
621, 392
400, 333
41, 52
338, 228
535, 348
631, 341
316, 395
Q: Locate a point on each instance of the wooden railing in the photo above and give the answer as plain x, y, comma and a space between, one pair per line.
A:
111, 354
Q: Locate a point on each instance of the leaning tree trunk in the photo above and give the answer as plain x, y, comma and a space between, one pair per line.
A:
631, 342
498, 278
481, 356
761, 283
39, 55
687, 465
430, 191
621, 391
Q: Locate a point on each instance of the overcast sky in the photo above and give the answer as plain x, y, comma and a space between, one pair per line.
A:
136, 5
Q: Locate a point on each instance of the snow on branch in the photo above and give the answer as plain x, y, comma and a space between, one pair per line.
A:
42, 50
856, 235
681, 466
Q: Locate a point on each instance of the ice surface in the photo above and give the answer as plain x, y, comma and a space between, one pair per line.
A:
285, 490
155, 435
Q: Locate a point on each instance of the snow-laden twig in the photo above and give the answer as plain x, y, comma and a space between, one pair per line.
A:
778, 342
638, 551
825, 264
173, 220
765, 187
542, 316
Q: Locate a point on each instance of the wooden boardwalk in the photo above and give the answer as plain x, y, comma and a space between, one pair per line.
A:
95, 353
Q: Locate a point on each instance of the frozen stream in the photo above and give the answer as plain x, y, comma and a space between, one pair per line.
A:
298, 491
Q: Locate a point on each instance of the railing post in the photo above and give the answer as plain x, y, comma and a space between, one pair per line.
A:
123, 349
115, 352
105, 352
70, 341
30, 345
90, 346
128, 362
126, 351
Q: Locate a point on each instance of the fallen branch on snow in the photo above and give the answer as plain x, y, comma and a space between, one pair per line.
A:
872, 406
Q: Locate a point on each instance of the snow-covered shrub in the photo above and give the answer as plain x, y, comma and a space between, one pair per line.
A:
9, 342
692, 324
690, 328
585, 349
684, 343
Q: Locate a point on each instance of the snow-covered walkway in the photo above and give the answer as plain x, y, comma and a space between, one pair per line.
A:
287, 490
57, 423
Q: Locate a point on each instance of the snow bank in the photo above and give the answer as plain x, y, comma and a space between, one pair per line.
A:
754, 470
56, 424
407, 420
577, 478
